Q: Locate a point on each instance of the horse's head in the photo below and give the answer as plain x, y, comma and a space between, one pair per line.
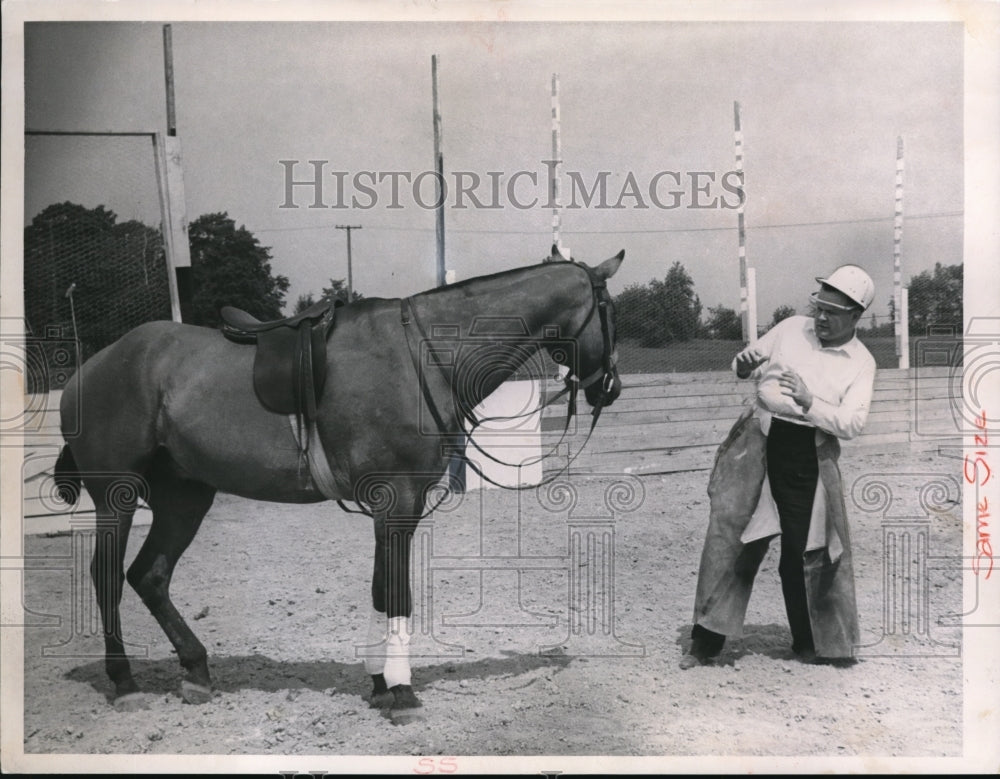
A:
594, 359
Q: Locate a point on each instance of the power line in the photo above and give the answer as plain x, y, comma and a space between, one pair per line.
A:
643, 231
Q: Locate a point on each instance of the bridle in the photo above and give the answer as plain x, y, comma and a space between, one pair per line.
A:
605, 374
600, 304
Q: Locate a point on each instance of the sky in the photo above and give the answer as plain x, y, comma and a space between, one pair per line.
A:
823, 103
647, 107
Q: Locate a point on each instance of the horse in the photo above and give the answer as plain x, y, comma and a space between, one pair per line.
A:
172, 407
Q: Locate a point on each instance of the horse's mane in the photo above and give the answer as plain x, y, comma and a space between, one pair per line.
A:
500, 280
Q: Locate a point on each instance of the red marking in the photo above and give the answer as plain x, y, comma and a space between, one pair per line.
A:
441, 765
984, 544
980, 460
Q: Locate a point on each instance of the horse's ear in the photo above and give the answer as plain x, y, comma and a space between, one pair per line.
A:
556, 254
609, 268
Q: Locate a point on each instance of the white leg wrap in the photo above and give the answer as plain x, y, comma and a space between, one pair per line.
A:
375, 644
397, 654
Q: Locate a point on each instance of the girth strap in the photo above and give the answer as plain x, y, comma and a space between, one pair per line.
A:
319, 466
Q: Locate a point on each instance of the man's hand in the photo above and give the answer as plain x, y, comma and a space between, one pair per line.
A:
793, 386
747, 360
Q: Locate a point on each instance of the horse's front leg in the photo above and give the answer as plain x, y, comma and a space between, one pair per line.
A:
388, 654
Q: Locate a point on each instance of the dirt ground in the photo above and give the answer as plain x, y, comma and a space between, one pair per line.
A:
279, 596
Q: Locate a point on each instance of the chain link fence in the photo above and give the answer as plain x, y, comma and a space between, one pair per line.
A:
664, 328
95, 265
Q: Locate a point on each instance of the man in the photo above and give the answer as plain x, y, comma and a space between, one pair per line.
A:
777, 474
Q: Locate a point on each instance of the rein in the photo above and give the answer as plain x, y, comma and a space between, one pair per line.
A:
605, 374
600, 301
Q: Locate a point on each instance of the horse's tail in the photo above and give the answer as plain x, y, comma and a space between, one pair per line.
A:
67, 477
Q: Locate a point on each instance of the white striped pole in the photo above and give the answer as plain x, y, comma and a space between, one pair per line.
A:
897, 239
744, 306
556, 188
904, 338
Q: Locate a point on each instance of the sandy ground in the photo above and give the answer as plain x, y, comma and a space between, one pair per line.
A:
279, 595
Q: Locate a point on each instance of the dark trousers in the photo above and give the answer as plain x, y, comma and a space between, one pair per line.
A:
793, 472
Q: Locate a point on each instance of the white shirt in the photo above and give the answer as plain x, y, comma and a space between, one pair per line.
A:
840, 379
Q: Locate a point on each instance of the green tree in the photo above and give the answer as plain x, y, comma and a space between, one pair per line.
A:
681, 306
118, 273
338, 291
304, 302
781, 312
634, 319
724, 324
230, 268
877, 329
935, 299
660, 312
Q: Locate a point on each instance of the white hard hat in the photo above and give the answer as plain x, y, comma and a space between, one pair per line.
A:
853, 282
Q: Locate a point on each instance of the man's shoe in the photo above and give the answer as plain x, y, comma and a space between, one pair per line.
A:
807, 656
691, 660
836, 662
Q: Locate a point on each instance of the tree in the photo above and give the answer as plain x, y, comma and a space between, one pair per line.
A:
781, 312
634, 313
877, 329
724, 324
118, 273
660, 312
304, 302
230, 268
338, 291
681, 305
935, 299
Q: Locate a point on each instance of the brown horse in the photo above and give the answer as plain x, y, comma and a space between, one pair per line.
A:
168, 414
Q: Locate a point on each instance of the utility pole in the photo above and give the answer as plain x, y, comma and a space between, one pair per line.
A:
170, 176
439, 171
168, 72
350, 280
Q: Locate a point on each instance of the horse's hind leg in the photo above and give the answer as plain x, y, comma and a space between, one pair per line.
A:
178, 505
115, 504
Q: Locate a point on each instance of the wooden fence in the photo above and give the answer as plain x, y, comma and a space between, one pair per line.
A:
671, 422
666, 423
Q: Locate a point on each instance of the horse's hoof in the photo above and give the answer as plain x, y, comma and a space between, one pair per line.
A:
195, 693
381, 700
405, 716
133, 701
406, 708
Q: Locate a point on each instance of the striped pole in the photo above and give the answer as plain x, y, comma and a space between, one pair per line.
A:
904, 337
741, 225
555, 188
897, 239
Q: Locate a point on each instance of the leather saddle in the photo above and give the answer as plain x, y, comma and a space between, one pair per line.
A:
289, 368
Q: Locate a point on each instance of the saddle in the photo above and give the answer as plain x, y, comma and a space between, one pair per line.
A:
289, 368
